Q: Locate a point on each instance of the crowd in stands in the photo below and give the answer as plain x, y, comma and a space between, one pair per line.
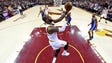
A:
9, 8
95, 6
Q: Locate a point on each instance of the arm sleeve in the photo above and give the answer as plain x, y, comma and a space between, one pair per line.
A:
61, 29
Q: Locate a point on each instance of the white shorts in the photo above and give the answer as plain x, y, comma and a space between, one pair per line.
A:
104, 15
57, 44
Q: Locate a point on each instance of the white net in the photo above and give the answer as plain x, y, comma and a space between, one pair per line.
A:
57, 2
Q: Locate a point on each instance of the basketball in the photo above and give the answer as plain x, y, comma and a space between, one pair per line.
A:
68, 6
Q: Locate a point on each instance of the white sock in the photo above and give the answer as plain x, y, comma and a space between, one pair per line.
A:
54, 60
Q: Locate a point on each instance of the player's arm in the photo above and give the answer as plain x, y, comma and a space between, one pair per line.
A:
39, 11
53, 29
61, 29
61, 17
96, 22
54, 13
89, 24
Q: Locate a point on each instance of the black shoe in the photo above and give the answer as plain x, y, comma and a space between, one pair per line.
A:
91, 38
88, 42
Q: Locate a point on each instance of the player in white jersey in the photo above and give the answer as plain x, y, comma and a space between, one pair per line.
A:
104, 14
55, 42
52, 30
46, 10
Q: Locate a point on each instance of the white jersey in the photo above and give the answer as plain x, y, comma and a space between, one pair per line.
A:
53, 37
54, 41
104, 13
46, 11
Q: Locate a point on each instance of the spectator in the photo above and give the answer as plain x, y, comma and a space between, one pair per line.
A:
13, 7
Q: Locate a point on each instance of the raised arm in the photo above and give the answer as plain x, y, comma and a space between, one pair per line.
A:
52, 29
61, 29
40, 11
68, 7
64, 15
60, 18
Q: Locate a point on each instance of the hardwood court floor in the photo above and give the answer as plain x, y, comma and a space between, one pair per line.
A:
37, 49
15, 32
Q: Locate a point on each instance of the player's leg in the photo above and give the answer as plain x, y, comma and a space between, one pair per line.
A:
55, 55
89, 33
65, 53
57, 46
64, 44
